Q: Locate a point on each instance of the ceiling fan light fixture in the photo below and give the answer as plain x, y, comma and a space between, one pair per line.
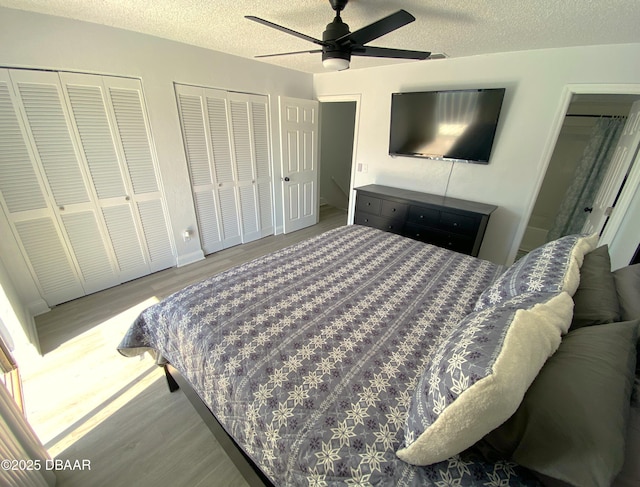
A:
335, 64
339, 44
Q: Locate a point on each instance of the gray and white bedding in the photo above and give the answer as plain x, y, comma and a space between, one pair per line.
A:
308, 356
360, 357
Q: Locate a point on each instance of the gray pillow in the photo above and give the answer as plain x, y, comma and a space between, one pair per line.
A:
596, 299
627, 282
571, 425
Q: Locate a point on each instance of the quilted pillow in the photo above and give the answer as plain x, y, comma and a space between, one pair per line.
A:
479, 375
554, 267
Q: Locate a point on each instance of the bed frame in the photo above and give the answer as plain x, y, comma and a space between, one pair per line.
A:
249, 470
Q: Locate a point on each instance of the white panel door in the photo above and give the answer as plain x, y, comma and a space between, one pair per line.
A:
299, 134
616, 174
49, 130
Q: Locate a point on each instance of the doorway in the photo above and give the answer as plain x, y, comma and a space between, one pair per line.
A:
339, 122
575, 134
336, 152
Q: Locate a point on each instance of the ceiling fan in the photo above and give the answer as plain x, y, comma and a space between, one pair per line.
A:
338, 44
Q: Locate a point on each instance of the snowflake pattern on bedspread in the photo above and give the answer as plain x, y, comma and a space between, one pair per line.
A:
309, 356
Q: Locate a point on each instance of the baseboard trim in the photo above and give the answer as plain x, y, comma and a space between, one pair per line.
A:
187, 259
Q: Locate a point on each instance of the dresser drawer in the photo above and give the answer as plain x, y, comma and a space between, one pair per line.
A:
392, 225
423, 216
393, 209
458, 243
424, 234
454, 222
368, 204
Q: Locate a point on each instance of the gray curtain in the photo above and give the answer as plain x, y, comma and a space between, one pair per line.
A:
587, 178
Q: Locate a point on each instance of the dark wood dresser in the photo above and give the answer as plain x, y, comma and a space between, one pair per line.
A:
446, 222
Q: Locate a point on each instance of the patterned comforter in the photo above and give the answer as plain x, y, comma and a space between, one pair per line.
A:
308, 356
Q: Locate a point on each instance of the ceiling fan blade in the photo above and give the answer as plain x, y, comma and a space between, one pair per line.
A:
313, 51
286, 30
378, 29
371, 51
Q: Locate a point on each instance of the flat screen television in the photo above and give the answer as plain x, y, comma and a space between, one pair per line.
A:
458, 125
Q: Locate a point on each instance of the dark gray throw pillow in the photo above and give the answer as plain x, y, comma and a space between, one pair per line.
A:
627, 282
596, 299
571, 425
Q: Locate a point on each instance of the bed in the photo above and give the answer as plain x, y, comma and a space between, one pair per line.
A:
360, 357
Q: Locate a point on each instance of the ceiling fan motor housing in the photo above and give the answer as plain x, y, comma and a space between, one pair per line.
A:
335, 30
338, 5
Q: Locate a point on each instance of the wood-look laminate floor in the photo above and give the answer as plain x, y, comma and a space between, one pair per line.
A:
87, 402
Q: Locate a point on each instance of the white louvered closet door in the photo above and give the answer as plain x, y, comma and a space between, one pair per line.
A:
264, 180
196, 141
86, 98
252, 158
48, 129
90, 214
226, 138
243, 155
27, 207
205, 131
133, 142
216, 106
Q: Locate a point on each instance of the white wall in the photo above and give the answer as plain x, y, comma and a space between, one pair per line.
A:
31, 40
532, 112
624, 246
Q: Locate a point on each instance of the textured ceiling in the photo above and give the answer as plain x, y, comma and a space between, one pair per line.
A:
455, 27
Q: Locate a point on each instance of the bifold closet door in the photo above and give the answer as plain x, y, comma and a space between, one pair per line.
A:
108, 115
67, 182
226, 138
205, 133
63, 239
252, 156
